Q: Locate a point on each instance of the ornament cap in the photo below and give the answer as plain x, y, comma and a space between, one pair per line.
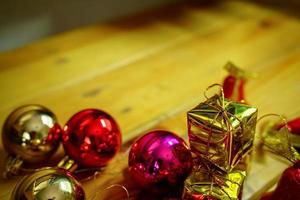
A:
13, 165
68, 164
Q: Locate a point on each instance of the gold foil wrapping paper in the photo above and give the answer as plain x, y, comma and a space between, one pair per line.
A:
221, 134
221, 131
207, 181
227, 186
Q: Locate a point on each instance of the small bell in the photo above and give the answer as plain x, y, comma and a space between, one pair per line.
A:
30, 134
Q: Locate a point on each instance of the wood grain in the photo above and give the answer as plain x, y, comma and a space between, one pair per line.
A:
147, 70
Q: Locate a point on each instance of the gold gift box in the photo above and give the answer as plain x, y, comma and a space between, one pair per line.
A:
221, 131
226, 186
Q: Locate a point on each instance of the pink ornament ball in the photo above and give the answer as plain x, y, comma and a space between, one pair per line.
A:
159, 159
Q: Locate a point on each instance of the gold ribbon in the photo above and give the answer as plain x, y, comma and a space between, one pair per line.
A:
207, 177
218, 104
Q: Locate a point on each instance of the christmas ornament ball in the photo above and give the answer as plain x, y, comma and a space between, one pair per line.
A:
91, 138
31, 133
53, 183
159, 159
288, 187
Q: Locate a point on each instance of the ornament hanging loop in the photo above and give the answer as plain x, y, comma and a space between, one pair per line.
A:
276, 115
221, 91
120, 186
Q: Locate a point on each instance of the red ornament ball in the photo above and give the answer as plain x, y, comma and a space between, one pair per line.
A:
288, 187
91, 138
160, 159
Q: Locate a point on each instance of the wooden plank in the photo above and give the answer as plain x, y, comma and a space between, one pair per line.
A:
115, 46
136, 87
188, 14
61, 62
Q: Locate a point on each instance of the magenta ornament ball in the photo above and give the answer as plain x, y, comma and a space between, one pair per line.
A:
159, 159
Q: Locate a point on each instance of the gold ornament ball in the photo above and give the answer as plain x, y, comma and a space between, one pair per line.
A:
55, 183
31, 133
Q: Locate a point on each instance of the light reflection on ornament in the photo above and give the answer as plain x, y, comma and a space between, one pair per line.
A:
53, 183
159, 159
30, 134
91, 138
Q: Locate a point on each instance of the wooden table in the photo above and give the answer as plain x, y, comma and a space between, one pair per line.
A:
147, 70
